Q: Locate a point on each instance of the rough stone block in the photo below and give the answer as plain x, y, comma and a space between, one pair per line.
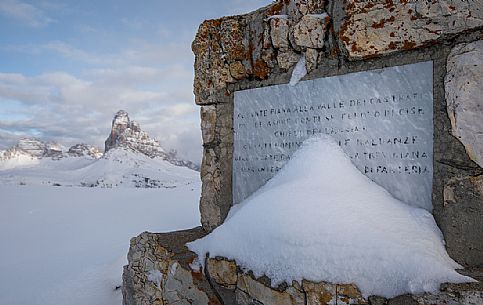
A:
159, 271
380, 27
237, 70
267, 295
311, 59
279, 29
309, 32
461, 224
287, 59
208, 122
223, 272
298, 8
464, 96
320, 293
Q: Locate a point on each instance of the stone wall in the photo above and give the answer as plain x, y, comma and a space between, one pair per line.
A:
163, 271
338, 37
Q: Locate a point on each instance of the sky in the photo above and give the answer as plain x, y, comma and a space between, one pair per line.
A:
66, 67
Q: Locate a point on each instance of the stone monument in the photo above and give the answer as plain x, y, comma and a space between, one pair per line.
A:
397, 83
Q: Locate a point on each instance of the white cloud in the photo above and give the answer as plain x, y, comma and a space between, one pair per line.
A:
24, 12
70, 109
70, 52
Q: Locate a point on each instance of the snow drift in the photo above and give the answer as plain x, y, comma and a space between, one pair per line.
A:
320, 219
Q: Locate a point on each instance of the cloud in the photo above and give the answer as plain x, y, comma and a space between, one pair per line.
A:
24, 12
71, 109
69, 51
140, 53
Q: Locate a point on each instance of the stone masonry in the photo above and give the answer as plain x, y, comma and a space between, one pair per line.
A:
357, 35
335, 37
162, 270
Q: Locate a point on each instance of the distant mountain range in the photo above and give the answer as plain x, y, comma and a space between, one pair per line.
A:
131, 159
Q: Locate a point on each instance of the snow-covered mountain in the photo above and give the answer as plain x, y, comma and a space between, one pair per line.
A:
131, 159
126, 133
84, 150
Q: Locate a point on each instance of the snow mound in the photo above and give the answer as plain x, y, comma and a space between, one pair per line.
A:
321, 219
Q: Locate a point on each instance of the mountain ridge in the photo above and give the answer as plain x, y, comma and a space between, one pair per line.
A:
125, 133
132, 159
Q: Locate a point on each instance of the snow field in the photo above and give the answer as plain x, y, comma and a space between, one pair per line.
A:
67, 245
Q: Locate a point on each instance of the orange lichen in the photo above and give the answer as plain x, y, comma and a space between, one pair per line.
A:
355, 48
388, 4
276, 8
408, 45
261, 69
379, 25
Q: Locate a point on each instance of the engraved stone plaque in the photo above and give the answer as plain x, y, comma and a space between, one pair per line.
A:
383, 120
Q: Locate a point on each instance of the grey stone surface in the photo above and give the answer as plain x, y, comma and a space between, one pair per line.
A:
208, 122
377, 300
383, 120
223, 272
403, 300
311, 59
279, 28
380, 27
176, 283
287, 59
309, 32
180, 289
464, 96
462, 221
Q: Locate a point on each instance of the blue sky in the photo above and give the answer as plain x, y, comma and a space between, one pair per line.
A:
67, 66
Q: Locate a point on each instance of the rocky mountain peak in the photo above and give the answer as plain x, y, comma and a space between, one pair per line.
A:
37, 148
121, 120
128, 134
84, 150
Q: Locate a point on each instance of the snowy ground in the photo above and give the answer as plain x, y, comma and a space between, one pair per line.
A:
67, 245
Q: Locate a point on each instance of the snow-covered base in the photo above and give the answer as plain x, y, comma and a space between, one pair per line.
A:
67, 245
118, 168
320, 219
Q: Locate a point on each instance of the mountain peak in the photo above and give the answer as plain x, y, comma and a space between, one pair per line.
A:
82, 150
121, 119
126, 133
38, 148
